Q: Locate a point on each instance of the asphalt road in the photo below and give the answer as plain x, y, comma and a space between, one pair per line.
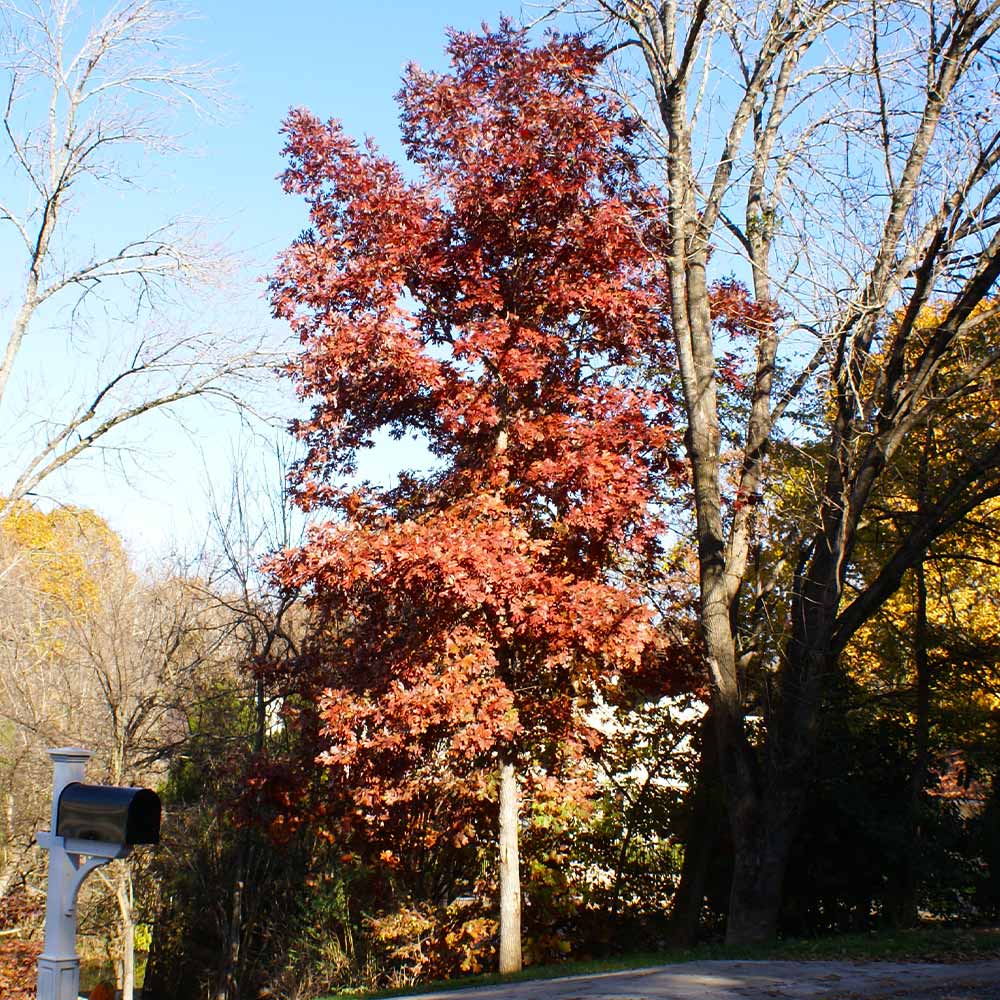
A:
761, 981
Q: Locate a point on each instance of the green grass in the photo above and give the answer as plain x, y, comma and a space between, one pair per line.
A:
924, 944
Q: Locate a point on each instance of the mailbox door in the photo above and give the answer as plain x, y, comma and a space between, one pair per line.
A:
143, 818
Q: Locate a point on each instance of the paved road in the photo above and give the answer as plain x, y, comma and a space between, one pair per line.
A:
761, 981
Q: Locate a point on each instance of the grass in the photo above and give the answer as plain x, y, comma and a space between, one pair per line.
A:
925, 944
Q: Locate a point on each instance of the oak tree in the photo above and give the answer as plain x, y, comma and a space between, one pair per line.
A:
496, 299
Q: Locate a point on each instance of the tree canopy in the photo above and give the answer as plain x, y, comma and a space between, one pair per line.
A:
503, 307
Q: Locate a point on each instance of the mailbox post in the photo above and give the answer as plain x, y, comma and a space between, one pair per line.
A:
92, 822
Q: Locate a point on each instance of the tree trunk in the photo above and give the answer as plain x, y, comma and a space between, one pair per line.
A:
765, 811
229, 980
906, 915
510, 873
228, 987
760, 857
152, 983
907, 910
126, 923
704, 818
765, 797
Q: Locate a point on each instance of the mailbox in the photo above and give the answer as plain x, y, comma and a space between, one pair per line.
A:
109, 814
91, 825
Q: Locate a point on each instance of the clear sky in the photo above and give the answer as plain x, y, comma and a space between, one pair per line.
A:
340, 59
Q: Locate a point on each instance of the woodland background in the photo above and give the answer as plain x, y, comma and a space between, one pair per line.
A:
683, 623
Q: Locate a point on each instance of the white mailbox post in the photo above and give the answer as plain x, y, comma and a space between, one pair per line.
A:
98, 824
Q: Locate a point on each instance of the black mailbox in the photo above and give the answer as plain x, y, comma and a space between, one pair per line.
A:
109, 814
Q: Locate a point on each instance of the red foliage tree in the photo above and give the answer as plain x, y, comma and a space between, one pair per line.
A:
503, 307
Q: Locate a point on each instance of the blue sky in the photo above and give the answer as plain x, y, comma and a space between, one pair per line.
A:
340, 59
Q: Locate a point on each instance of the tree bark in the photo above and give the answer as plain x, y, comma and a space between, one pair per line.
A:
910, 875
510, 873
907, 913
228, 987
760, 858
705, 815
229, 980
126, 920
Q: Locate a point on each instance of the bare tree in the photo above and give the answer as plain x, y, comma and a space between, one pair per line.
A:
93, 653
254, 521
844, 157
82, 109
128, 663
145, 651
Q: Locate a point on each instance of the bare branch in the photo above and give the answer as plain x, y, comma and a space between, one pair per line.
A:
69, 116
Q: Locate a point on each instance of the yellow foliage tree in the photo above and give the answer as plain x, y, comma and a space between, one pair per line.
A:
63, 554
956, 588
